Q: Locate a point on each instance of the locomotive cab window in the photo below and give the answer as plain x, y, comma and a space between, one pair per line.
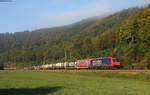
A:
115, 60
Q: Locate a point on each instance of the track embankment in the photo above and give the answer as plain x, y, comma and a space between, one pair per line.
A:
120, 71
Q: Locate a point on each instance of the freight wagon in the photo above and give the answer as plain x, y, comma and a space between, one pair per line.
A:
70, 65
63, 65
58, 66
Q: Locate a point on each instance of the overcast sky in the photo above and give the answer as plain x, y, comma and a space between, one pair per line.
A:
20, 15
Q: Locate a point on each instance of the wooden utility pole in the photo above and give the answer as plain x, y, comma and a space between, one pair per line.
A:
65, 60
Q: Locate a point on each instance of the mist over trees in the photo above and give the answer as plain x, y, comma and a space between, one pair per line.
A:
124, 34
148, 5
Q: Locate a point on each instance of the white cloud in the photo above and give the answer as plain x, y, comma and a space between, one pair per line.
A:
145, 2
68, 17
71, 17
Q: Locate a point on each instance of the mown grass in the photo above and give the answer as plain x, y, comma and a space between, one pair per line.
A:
116, 75
81, 83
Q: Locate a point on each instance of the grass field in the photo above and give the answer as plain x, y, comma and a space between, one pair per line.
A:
79, 83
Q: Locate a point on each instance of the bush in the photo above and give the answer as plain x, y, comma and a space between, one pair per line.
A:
1, 67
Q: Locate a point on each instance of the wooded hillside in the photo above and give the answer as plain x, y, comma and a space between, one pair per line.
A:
124, 34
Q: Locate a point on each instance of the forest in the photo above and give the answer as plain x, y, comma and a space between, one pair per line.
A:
125, 34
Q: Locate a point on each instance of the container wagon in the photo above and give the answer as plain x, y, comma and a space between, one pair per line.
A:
70, 65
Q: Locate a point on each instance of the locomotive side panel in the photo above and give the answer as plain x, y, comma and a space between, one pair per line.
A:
100, 63
83, 63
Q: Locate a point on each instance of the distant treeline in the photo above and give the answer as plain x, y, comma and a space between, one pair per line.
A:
125, 34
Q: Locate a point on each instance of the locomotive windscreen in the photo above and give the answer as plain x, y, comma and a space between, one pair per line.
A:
116, 60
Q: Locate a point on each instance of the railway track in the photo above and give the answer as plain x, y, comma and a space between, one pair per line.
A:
134, 71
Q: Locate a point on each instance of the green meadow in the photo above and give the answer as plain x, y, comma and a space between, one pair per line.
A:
75, 83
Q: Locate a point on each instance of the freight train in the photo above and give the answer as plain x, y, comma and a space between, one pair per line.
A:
94, 63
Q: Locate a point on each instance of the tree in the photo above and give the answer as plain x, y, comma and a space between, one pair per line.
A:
148, 5
1, 66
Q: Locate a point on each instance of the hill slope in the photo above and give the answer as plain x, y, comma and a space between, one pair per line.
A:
86, 39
